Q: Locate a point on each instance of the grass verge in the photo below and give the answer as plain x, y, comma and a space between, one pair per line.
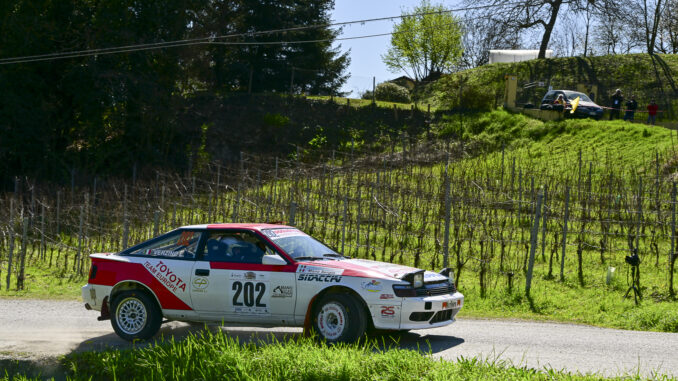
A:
207, 356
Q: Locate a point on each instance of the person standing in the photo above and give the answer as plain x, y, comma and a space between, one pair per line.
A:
631, 106
617, 101
652, 109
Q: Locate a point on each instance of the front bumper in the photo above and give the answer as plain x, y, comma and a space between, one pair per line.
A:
430, 311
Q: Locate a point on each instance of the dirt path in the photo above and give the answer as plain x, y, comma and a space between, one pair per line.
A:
37, 330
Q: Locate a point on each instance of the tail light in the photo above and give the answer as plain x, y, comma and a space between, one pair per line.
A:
92, 272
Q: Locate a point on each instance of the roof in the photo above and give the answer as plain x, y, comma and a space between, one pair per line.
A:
252, 226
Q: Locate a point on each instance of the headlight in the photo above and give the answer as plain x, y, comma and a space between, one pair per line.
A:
418, 280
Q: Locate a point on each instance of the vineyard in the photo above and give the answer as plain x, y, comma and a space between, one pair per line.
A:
530, 230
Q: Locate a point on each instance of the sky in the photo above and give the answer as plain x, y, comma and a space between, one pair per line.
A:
366, 53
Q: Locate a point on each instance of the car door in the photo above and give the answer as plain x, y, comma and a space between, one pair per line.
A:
230, 281
169, 260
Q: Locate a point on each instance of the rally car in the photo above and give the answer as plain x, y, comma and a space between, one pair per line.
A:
262, 275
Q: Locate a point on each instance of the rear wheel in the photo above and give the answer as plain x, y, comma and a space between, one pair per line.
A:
339, 319
135, 315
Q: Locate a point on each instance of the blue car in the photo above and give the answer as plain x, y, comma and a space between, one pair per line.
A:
586, 109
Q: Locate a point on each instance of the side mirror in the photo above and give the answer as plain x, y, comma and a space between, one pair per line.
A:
274, 260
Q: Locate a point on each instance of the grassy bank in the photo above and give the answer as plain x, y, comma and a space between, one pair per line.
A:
217, 356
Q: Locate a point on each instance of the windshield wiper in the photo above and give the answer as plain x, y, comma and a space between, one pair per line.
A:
308, 258
334, 255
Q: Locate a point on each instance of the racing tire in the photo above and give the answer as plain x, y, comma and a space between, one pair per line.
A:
339, 318
135, 315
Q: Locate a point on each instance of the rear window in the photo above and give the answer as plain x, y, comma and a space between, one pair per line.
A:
178, 245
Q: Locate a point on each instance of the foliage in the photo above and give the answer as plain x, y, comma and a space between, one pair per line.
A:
206, 355
105, 114
427, 44
390, 92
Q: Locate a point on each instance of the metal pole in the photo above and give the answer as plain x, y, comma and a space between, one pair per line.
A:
446, 237
565, 218
533, 243
343, 227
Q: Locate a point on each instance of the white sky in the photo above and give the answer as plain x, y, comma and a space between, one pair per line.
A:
366, 53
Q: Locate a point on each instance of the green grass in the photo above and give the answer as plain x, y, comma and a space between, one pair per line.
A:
633, 73
208, 356
45, 283
359, 102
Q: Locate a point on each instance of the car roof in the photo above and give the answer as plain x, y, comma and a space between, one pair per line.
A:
249, 226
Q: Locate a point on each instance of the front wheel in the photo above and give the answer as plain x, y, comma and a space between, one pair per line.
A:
135, 315
339, 319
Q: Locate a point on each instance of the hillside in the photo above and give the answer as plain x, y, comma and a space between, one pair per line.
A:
638, 74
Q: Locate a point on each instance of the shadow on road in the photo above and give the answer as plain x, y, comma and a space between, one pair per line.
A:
415, 340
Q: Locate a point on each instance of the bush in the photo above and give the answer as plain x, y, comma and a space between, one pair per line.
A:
390, 92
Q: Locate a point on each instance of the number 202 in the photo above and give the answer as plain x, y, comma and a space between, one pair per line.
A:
247, 292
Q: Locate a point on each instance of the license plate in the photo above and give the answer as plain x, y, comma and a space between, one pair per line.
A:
592, 113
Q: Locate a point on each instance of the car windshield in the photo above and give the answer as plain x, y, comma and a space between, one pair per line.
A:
298, 244
582, 97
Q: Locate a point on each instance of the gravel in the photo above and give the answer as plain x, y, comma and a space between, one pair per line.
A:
41, 330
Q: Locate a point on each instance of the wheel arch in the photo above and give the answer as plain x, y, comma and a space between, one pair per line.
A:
338, 289
129, 285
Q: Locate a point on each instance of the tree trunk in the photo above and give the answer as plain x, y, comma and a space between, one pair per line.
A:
548, 28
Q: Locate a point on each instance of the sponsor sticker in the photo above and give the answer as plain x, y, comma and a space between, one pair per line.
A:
386, 296
282, 292
308, 269
185, 238
249, 275
327, 278
372, 286
282, 233
388, 312
166, 276
200, 284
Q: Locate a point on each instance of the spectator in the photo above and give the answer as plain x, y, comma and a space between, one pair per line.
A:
617, 101
631, 106
559, 103
652, 109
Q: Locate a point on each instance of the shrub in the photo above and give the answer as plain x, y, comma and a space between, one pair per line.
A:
390, 92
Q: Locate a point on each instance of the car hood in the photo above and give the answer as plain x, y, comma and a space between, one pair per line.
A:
366, 269
588, 104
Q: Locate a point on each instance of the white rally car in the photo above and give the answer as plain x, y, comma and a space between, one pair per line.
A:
262, 275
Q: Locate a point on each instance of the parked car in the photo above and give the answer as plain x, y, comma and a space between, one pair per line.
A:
586, 109
262, 275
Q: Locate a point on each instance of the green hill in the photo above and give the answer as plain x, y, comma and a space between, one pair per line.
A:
638, 74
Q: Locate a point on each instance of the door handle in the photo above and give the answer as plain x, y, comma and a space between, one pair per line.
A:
202, 272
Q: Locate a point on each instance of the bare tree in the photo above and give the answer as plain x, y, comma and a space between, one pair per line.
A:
481, 35
668, 29
528, 14
652, 15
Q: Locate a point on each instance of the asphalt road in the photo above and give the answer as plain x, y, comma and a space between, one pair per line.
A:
37, 329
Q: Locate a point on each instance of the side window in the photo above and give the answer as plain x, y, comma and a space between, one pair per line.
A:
550, 96
180, 245
235, 247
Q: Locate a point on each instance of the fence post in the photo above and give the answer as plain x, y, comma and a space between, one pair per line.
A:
533, 243
78, 257
446, 237
125, 223
43, 248
343, 225
543, 228
565, 218
293, 212
156, 223
11, 240
22, 265
58, 214
672, 255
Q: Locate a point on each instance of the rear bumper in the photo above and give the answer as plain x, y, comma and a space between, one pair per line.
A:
430, 311
95, 296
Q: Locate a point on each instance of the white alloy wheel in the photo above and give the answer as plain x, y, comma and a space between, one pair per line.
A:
332, 320
131, 315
